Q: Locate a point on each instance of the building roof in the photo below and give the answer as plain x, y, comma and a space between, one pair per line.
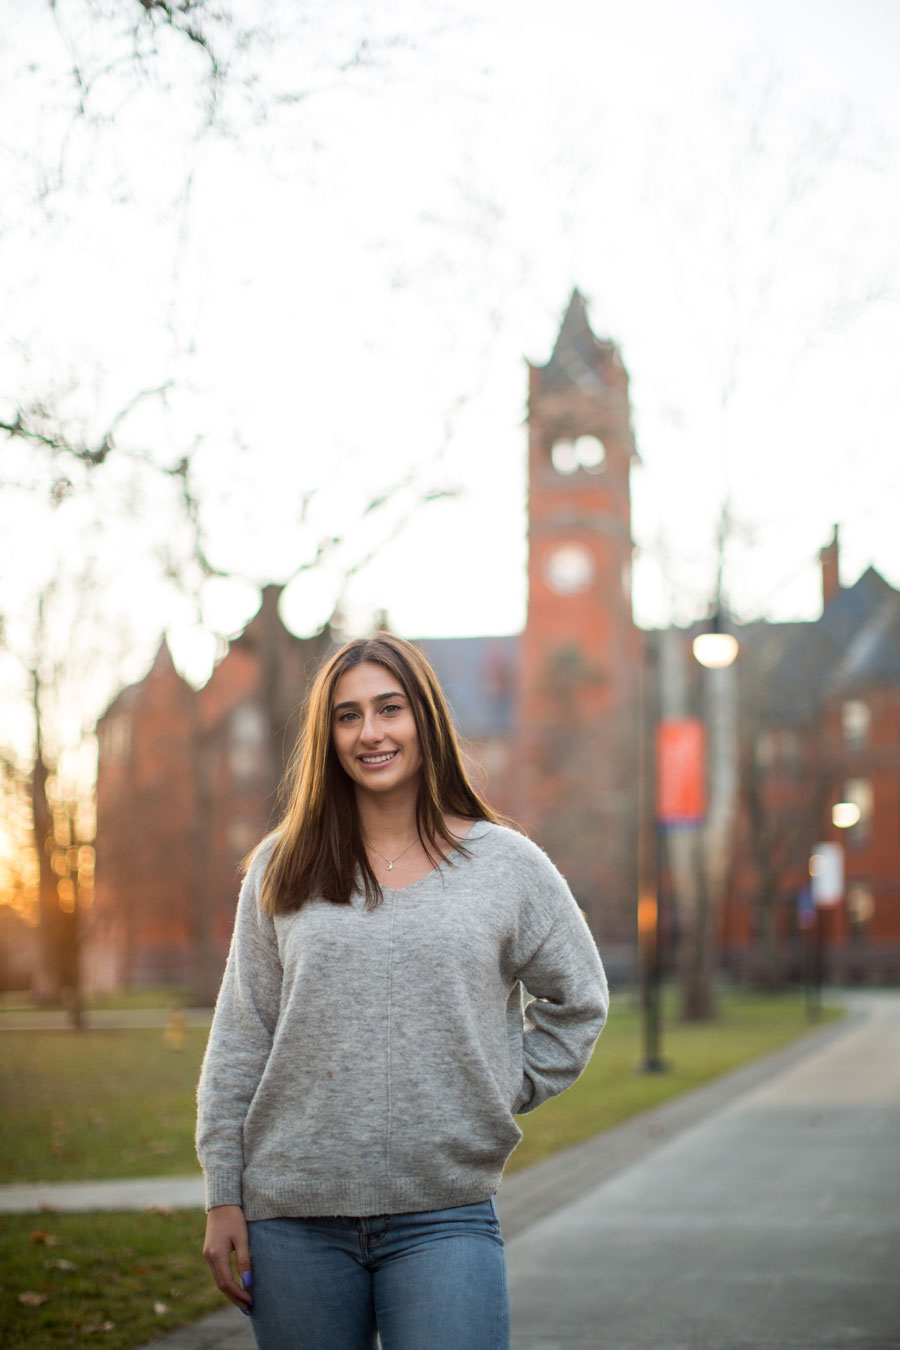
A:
872, 656
855, 639
478, 675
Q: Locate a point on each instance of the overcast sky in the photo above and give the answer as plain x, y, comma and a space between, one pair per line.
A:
350, 287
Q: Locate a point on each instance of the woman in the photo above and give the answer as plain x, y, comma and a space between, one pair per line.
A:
369, 1049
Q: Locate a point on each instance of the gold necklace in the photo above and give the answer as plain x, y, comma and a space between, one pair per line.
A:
390, 865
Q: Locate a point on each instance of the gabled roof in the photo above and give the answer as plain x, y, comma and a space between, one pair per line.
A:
872, 656
813, 655
132, 694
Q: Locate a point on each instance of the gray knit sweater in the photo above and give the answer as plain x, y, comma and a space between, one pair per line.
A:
370, 1061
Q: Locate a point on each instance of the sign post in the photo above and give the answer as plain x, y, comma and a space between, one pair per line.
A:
826, 871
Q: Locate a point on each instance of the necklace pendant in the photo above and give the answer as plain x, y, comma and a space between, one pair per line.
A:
390, 867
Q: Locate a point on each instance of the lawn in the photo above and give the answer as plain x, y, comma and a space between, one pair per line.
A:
97, 1104
158, 996
107, 1103
117, 1280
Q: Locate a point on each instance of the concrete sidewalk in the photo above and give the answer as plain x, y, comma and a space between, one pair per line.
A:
774, 1224
100, 1019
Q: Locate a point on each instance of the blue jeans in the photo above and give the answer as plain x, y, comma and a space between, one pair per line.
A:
428, 1281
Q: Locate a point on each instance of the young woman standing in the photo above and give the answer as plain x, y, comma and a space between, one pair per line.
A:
373, 1041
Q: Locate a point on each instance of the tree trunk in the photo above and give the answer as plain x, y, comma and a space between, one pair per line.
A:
47, 987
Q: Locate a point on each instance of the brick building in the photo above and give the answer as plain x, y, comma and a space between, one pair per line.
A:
820, 725
187, 779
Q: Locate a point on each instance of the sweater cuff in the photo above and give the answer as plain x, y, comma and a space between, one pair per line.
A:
223, 1187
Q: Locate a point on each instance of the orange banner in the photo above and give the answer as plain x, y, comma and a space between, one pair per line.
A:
680, 771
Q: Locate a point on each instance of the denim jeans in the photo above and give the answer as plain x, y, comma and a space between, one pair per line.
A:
426, 1281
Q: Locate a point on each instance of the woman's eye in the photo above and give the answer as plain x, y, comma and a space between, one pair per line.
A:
391, 708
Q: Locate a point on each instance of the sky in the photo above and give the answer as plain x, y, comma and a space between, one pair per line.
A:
340, 291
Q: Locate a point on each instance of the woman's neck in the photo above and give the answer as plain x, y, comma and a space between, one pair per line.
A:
384, 818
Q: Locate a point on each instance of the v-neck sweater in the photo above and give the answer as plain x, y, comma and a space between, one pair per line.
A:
372, 1060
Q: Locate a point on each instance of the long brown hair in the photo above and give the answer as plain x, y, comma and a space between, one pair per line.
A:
319, 850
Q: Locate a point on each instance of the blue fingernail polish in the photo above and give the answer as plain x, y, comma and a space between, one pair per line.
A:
247, 1279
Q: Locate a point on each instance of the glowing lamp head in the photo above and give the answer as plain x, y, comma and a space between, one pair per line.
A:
715, 650
845, 814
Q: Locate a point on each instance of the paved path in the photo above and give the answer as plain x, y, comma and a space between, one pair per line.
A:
774, 1224
107, 1019
79, 1196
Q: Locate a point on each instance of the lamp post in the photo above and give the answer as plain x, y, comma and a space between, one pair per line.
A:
715, 650
649, 952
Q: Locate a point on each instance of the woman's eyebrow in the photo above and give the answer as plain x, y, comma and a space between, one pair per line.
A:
379, 698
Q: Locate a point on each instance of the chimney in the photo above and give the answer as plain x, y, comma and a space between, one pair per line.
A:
830, 559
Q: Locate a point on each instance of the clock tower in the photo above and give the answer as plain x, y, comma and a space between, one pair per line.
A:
576, 737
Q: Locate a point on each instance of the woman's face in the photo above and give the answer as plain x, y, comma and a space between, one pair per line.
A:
374, 730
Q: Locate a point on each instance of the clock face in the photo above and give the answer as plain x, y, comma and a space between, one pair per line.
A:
569, 569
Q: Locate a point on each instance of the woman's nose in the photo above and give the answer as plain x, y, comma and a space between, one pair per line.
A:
371, 732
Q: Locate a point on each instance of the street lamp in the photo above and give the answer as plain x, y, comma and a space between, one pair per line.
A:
844, 815
715, 649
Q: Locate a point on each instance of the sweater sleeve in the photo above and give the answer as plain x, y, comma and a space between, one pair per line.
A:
564, 977
239, 1042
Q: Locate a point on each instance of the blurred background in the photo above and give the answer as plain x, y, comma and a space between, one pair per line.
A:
554, 341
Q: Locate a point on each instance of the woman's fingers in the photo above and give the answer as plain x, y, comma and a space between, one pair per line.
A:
226, 1233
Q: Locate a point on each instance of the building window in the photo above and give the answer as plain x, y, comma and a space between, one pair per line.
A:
792, 750
585, 452
242, 835
859, 792
247, 740
116, 738
856, 718
779, 747
765, 748
860, 908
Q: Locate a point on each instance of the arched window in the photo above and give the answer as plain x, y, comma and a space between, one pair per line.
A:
585, 452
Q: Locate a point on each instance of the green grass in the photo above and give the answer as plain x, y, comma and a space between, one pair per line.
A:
163, 996
97, 1105
120, 1103
124, 1264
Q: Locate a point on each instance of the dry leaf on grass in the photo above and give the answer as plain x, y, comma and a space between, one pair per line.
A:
158, 1209
160, 1308
41, 1235
93, 1327
60, 1265
32, 1300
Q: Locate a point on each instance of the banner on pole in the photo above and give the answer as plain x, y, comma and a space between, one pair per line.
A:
680, 771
